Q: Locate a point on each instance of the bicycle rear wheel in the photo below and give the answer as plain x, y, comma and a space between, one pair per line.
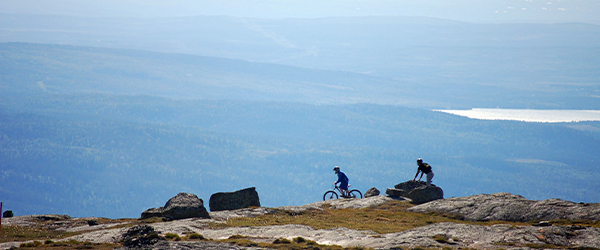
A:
355, 194
330, 195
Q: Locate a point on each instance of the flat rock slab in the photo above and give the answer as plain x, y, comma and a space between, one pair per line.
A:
455, 235
244, 212
510, 207
205, 245
341, 204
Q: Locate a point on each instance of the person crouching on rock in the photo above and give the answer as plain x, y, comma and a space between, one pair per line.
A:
343, 180
424, 168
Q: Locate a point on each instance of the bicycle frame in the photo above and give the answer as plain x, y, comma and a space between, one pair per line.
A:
337, 191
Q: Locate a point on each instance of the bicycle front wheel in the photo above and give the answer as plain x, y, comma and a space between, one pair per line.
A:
356, 194
330, 195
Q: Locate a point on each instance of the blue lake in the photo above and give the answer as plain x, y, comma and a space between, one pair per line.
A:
529, 115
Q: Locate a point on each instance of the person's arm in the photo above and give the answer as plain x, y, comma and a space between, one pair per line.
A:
418, 170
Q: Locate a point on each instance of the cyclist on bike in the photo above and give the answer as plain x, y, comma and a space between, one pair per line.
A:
343, 180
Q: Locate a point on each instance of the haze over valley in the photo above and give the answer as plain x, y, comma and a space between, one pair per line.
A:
113, 113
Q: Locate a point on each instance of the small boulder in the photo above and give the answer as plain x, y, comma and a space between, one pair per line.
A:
372, 192
8, 214
181, 206
234, 200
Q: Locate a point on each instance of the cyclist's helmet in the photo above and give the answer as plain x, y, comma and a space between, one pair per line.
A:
419, 161
336, 169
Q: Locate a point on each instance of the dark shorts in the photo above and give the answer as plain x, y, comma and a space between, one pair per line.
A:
343, 185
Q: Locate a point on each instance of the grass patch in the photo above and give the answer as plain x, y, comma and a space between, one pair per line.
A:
172, 236
389, 217
72, 244
583, 223
542, 246
18, 233
282, 243
440, 238
196, 236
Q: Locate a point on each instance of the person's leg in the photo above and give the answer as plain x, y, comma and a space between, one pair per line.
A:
344, 188
429, 177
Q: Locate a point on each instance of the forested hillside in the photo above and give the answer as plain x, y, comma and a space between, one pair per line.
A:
115, 156
46, 69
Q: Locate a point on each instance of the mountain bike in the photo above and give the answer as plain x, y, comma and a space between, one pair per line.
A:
333, 194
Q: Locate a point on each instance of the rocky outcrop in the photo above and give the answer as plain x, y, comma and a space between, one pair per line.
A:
181, 206
510, 207
417, 191
53, 217
234, 200
434, 236
372, 192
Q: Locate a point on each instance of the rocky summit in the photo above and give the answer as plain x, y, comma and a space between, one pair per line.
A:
449, 233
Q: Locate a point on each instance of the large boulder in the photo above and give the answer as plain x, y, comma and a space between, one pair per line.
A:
425, 194
234, 200
181, 206
417, 191
510, 207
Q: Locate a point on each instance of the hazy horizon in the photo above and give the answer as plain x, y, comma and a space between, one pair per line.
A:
500, 11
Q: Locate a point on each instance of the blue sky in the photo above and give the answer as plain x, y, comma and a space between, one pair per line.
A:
462, 10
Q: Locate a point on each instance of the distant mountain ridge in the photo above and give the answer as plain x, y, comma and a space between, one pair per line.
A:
52, 69
452, 64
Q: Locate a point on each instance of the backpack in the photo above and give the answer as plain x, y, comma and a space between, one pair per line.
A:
427, 167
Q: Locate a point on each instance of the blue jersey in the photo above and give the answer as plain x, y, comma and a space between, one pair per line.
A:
342, 179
